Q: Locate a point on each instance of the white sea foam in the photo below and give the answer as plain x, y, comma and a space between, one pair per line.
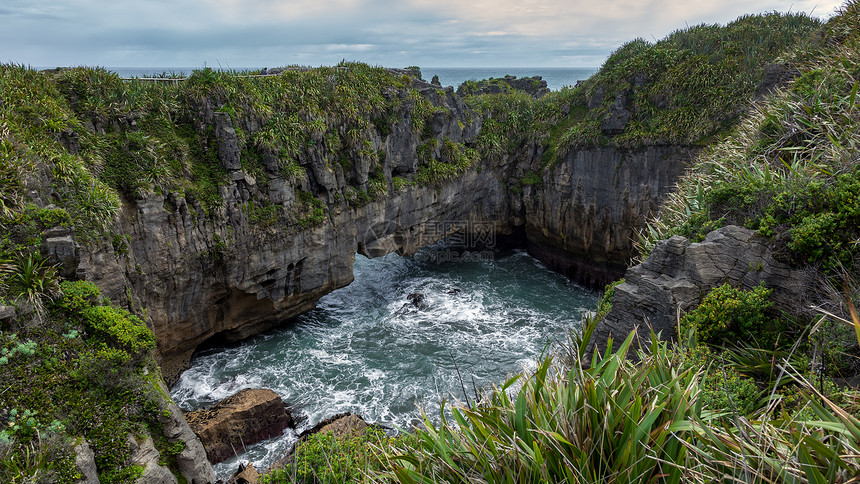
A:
367, 350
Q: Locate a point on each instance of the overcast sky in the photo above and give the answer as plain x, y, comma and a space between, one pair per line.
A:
450, 33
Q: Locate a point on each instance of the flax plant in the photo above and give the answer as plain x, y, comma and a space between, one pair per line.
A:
616, 422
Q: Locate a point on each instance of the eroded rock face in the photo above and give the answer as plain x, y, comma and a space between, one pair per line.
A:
220, 276
677, 275
85, 461
192, 462
144, 454
242, 419
583, 219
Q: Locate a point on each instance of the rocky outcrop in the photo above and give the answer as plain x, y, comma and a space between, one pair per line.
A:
7, 313
85, 461
191, 461
677, 275
534, 86
346, 426
239, 420
145, 455
618, 117
246, 474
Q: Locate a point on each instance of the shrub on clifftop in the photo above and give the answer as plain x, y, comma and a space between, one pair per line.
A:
729, 313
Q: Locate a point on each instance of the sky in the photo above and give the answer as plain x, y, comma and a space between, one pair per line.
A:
439, 33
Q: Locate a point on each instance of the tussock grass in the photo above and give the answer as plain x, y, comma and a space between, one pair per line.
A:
621, 421
790, 168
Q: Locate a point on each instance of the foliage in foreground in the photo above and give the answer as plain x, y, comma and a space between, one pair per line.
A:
617, 421
82, 370
620, 421
325, 458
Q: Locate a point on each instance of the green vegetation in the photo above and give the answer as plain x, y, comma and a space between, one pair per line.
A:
605, 303
324, 458
85, 369
105, 137
455, 159
75, 367
790, 170
688, 89
731, 314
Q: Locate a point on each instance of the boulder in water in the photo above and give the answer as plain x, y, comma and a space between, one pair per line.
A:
244, 418
246, 474
417, 300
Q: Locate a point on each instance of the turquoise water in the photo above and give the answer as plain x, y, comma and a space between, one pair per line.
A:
366, 350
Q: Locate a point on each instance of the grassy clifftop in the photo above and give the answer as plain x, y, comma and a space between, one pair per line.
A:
688, 89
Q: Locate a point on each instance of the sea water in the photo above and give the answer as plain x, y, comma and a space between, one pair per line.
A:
368, 350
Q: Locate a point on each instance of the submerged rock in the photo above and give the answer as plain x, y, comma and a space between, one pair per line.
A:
242, 419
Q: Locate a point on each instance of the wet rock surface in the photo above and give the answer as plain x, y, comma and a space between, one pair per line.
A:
242, 419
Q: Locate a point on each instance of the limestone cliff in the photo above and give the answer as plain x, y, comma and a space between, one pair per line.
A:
229, 276
226, 277
582, 219
288, 195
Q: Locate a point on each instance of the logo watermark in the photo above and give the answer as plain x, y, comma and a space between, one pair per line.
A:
449, 241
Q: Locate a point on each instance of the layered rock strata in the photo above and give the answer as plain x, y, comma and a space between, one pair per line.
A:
224, 277
242, 419
678, 274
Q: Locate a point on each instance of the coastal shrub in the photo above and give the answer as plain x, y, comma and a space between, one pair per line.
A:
120, 330
313, 211
790, 170
455, 159
79, 295
326, 459
616, 420
29, 279
729, 313
724, 388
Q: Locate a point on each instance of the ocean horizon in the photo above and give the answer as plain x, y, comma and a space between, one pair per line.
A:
555, 77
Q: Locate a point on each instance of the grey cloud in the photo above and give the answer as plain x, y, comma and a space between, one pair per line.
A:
183, 32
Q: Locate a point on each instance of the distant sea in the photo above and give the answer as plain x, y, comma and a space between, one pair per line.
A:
555, 77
